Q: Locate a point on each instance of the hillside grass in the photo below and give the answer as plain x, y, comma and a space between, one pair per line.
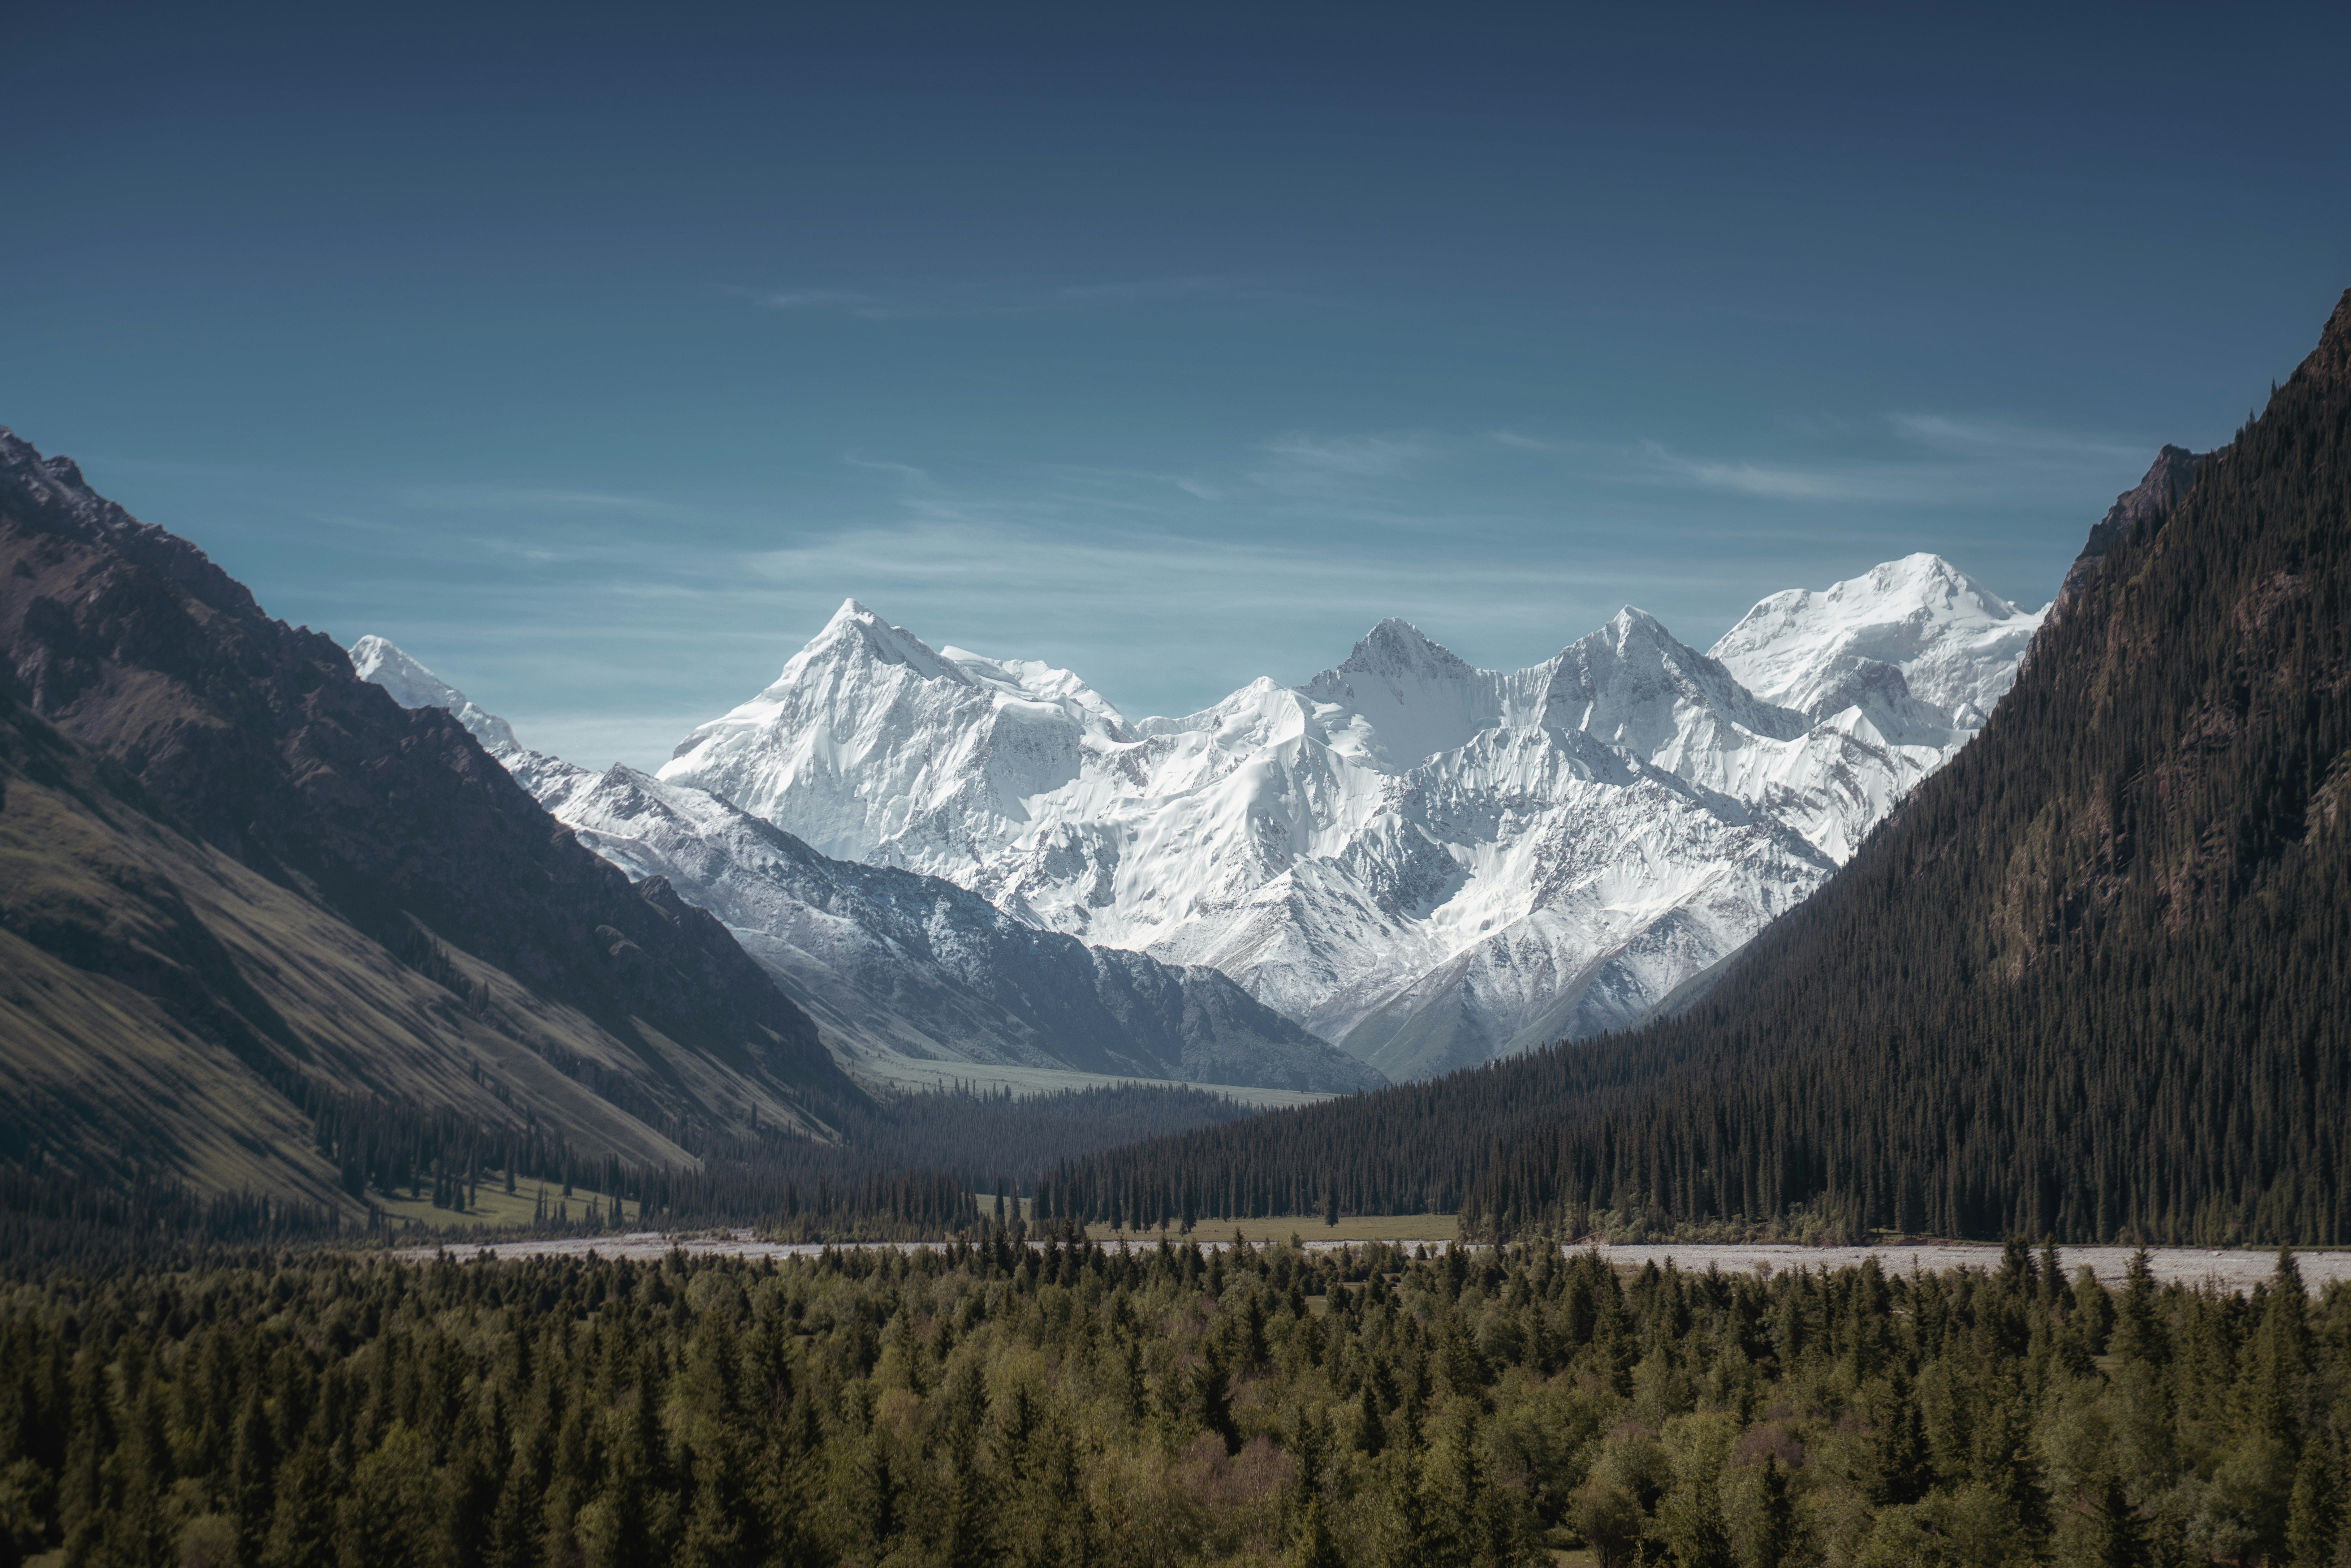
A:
495, 1208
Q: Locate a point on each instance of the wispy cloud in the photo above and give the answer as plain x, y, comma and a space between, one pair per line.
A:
976, 300
530, 499
1951, 433
1935, 460
613, 620
906, 470
841, 301
1375, 456
1841, 482
1122, 291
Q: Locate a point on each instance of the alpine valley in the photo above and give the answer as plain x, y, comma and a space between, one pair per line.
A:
1431, 866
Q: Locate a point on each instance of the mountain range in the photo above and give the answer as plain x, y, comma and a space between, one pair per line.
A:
901, 970
1430, 865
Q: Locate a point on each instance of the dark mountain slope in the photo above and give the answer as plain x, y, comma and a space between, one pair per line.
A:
213, 824
2088, 980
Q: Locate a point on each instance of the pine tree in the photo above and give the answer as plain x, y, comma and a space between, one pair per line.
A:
1774, 1531
1315, 1547
2314, 1515
2115, 1538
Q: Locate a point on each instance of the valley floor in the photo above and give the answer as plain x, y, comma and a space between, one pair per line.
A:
2233, 1270
908, 1072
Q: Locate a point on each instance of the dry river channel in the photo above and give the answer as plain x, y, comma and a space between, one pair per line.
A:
2235, 1268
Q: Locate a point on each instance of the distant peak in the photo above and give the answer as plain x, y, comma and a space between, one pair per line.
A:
381, 660
1632, 634
373, 652
854, 624
411, 685
1632, 621
1397, 645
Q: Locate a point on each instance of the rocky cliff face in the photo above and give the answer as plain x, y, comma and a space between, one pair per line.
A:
2166, 480
258, 740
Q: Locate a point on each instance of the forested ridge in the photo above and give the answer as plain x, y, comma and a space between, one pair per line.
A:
1068, 1405
2086, 981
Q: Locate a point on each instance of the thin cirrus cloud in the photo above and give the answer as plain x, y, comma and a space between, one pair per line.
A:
512, 498
2009, 437
1019, 590
837, 301
1942, 459
1375, 456
964, 302
1164, 588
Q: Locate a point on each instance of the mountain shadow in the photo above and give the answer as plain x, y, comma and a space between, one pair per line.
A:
234, 877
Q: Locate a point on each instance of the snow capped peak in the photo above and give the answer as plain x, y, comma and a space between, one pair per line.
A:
1632, 623
1400, 696
1636, 686
379, 660
1954, 640
1394, 646
858, 632
869, 734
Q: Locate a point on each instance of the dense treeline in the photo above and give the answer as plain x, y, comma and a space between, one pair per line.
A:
1004, 1405
2090, 978
50, 1220
906, 1159
2086, 981
918, 1165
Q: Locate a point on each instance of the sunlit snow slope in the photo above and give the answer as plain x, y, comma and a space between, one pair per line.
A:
898, 969
1432, 864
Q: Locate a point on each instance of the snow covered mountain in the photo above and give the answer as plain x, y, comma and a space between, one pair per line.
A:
896, 966
413, 686
1430, 864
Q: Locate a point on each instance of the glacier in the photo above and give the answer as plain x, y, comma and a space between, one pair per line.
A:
1427, 864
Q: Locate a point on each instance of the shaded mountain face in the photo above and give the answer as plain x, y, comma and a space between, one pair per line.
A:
2090, 979
2086, 982
1430, 864
383, 831
2166, 480
899, 968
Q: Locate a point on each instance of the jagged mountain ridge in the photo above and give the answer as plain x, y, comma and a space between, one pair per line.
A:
1431, 864
258, 869
896, 965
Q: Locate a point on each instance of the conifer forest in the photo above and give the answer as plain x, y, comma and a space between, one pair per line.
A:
987, 1402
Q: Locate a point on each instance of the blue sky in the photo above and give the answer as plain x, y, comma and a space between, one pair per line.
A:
594, 357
